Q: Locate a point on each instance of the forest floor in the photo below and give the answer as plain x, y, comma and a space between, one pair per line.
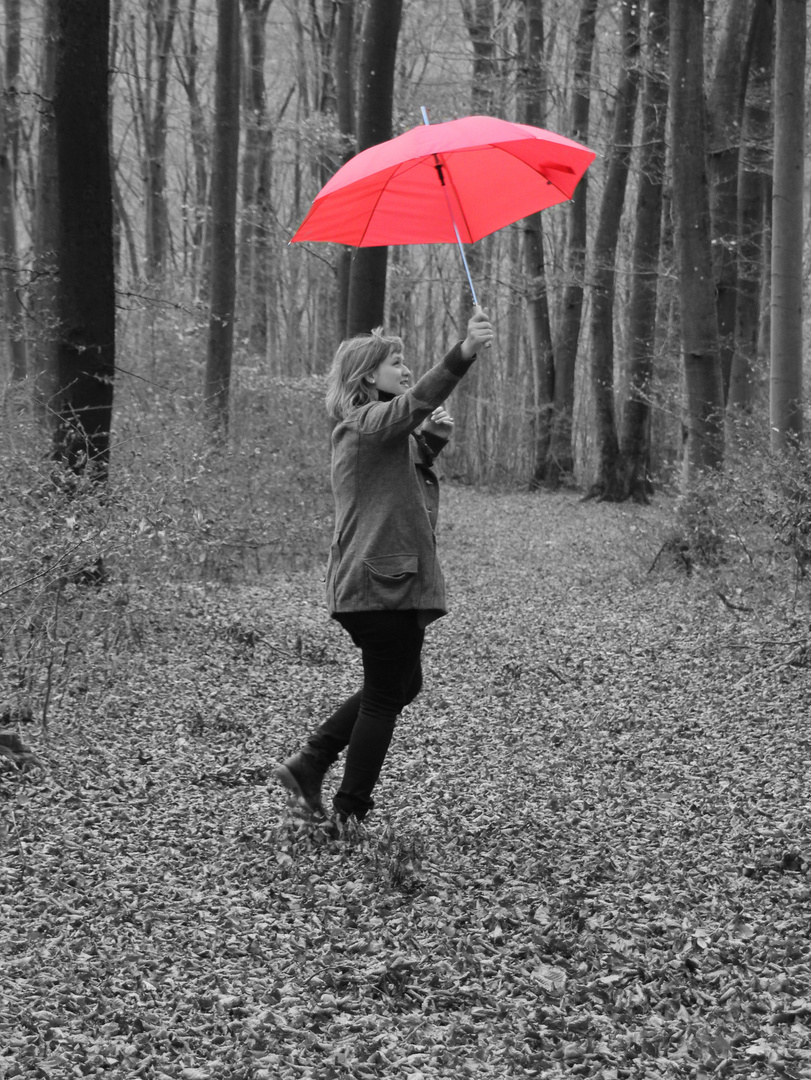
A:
590, 855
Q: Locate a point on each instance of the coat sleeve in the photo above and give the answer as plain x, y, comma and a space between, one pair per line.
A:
389, 421
435, 444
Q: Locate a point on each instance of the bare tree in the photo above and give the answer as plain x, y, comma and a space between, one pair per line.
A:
704, 433
224, 168
254, 269
148, 78
754, 193
161, 16
786, 381
381, 28
345, 103
633, 478
86, 348
9, 141
601, 344
196, 194
472, 401
724, 109
561, 458
44, 292
532, 90
122, 220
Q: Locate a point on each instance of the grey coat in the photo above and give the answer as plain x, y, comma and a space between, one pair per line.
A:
383, 553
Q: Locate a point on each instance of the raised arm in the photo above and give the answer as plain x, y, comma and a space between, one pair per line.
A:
399, 417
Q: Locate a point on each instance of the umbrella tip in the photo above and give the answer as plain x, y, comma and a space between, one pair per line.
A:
424, 112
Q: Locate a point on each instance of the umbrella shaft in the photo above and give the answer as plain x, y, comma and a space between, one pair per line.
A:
426, 121
464, 257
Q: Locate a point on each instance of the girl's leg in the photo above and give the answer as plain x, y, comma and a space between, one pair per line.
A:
325, 744
391, 644
331, 737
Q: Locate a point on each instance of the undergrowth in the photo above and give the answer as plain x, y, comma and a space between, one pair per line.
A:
181, 508
178, 508
758, 506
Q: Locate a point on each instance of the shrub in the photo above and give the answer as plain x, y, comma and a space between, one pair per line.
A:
758, 508
177, 508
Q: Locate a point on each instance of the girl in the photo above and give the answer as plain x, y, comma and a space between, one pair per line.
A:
384, 582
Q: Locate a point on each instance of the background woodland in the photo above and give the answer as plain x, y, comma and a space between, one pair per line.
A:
598, 376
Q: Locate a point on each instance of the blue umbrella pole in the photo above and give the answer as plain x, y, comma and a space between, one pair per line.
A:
462, 252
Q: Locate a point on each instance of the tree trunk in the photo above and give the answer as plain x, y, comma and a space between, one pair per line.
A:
254, 271
561, 456
323, 20
120, 215
699, 321
344, 65
367, 282
786, 380
197, 213
471, 405
532, 90
161, 15
45, 295
754, 180
9, 139
345, 102
725, 109
11, 90
86, 349
633, 474
224, 168
601, 341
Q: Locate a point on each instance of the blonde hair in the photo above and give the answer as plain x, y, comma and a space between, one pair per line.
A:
347, 386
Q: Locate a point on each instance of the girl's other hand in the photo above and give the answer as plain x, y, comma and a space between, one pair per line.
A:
479, 334
439, 423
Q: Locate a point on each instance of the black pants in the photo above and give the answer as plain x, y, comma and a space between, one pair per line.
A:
390, 644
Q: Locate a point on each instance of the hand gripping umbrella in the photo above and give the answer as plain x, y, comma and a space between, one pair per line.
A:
445, 183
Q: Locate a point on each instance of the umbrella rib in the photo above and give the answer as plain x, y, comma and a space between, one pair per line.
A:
370, 215
395, 170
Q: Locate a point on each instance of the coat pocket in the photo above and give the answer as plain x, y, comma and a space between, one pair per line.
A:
391, 581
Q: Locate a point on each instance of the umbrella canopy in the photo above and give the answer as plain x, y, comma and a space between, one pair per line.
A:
443, 183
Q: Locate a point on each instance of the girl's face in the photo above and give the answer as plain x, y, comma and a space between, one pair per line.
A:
391, 375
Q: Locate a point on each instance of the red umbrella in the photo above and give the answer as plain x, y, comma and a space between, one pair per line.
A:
445, 183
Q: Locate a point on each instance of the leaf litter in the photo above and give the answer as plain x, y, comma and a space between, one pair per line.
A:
590, 855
